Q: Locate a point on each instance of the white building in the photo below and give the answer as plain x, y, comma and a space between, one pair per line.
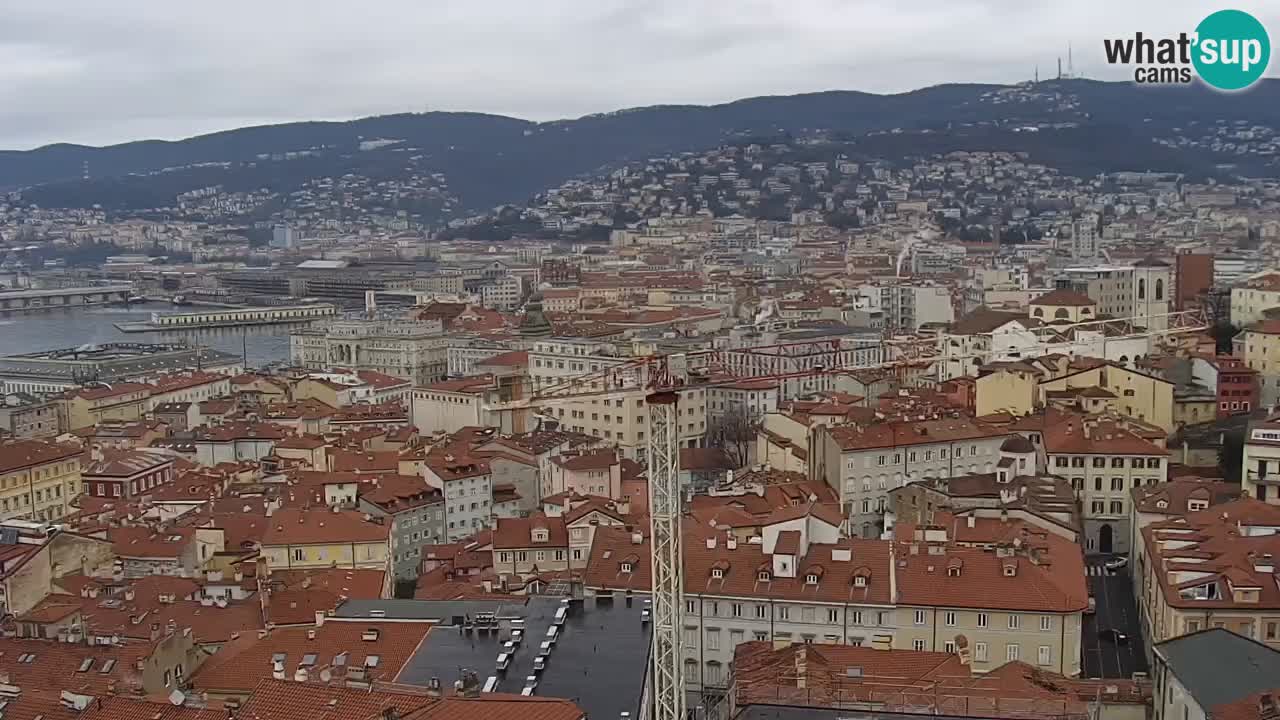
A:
411, 349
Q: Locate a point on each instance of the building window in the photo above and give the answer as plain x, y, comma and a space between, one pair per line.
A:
737, 609
1117, 483
761, 611
982, 620
950, 619
784, 612
1011, 652
980, 652
833, 616
917, 645
1046, 623
1013, 622
919, 617
1044, 655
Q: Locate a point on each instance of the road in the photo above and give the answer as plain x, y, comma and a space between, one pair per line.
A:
1117, 609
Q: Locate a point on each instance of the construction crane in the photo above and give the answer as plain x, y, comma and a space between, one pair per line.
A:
661, 379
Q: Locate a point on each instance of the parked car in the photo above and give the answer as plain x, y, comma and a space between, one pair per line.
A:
1113, 636
1116, 563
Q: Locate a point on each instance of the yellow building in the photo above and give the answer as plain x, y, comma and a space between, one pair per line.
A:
38, 479
89, 406
1262, 353
1140, 396
1006, 387
1259, 294
299, 539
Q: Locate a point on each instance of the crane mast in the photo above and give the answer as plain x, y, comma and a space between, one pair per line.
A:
668, 682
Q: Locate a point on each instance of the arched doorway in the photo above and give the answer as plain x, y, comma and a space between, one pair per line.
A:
1104, 539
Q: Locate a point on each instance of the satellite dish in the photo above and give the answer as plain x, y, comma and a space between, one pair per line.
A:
176, 698
326, 675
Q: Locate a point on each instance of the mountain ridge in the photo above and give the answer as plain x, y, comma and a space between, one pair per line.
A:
490, 159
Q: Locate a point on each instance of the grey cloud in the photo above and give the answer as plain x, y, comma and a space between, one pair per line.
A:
95, 72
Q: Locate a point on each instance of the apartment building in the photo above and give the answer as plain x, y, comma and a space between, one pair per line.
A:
801, 582
1212, 568
995, 590
87, 406
450, 405
748, 399
862, 463
587, 472
1104, 461
1260, 461
126, 474
531, 545
413, 510
1134, 394
191, 387
1261, 351
23, 415
298, 538
983, 336
467, 485
618, 418
1231, 379
1251, 301
38, 479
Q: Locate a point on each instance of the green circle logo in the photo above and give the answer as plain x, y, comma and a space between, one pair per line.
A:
1232, 50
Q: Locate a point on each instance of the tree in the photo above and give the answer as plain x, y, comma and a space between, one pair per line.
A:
1231, 454
734, 432
1222, 333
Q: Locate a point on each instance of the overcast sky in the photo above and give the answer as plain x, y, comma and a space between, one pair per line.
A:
98, 72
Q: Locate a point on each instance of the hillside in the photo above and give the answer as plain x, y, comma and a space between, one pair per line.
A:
490, 159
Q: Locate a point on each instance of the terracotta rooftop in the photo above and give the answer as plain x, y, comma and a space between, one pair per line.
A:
375, 650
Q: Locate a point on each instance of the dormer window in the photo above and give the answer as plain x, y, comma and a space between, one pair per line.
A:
626, 567
717, 573
763, 576
860, 581
1194, 505
540, 535
953, 571
811, 579
1010, 570
1162, 504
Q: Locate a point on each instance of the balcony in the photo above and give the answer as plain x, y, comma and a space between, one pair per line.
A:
1262, 478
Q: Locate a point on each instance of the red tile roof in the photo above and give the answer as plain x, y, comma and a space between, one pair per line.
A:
518, 532
30, 453
243, 663
1063, 297
898, 434
284, 700
297, 526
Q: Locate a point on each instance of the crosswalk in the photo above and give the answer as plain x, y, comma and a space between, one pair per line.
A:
1097, 571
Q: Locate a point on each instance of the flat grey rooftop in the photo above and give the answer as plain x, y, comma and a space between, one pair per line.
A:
598, 660
1218, 666
445, 612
